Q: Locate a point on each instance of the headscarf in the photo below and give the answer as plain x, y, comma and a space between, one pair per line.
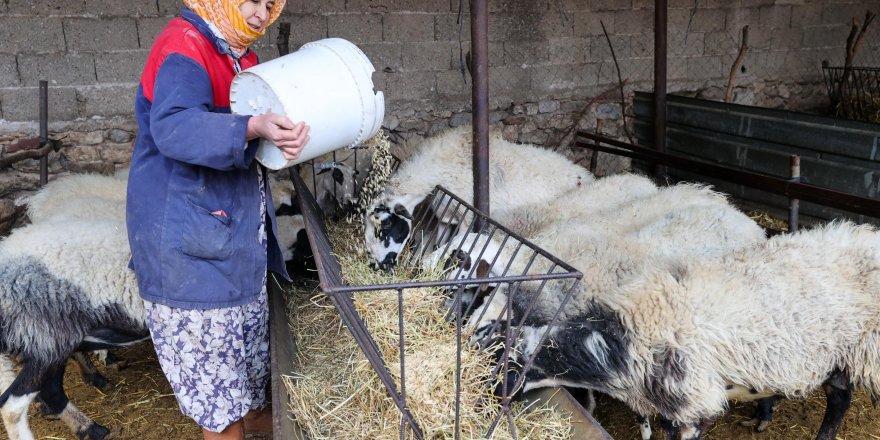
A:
225, 15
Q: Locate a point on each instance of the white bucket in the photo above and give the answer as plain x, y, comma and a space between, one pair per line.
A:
326, 83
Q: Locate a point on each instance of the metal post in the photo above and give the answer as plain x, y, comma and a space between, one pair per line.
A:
44, 130
794, 204
480, 102
660, 24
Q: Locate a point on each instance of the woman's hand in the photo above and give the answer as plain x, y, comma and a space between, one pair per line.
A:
288, 136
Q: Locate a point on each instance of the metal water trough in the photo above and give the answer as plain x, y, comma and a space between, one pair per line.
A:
533, 267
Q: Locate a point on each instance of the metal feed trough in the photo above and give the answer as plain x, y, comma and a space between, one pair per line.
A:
524, 266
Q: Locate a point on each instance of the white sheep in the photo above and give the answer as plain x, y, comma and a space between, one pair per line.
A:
518, 175
782, 317
79, 196
611, 245
598, 198
64, 287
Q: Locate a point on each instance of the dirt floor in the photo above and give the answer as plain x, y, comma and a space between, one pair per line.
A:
138, 403
792, 420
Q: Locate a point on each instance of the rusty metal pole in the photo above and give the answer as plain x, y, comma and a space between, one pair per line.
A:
660, 62
794, 204
480, 102
283, 38
44, 130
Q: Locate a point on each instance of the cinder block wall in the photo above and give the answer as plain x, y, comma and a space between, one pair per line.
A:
92, 51
551, 67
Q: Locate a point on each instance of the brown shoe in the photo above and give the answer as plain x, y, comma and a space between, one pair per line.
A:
258, 424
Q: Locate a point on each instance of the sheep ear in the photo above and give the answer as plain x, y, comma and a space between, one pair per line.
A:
459, 259
402, 211
338, 176
483, 269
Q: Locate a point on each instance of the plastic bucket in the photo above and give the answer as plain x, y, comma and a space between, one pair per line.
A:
326, 83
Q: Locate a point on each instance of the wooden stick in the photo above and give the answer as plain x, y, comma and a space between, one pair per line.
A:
7, 161
620, 82
743, 48
853, 42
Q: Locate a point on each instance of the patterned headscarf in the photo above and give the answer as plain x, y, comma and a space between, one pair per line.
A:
225, 15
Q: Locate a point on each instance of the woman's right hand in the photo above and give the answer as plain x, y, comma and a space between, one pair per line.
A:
288, 136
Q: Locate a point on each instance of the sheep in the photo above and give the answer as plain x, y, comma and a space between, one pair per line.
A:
335, 183
611, 245
519, 174
85, 196
79, 196
64, 287
295, 247
598, 198
674, 341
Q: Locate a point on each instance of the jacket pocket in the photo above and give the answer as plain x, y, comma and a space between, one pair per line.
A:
206, 234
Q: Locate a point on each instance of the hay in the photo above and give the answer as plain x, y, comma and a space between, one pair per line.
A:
336, 394
380, 168
767, 221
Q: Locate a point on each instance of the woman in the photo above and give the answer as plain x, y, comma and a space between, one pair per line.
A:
200, 219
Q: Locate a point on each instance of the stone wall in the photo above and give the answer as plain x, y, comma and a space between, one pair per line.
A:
549, 62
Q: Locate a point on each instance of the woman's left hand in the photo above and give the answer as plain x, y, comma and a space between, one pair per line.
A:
288, 136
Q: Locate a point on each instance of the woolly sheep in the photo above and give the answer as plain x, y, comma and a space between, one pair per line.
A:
598, 198
519, 174
79, 196
676, 340
611, 245
64, 287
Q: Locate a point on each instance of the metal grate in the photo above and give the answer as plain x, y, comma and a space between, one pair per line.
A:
517, 264
854, 92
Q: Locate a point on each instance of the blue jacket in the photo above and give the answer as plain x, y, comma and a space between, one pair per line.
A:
193, 194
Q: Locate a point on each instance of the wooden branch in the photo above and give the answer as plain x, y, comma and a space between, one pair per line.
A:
6, 162
743, 48
584, 110
853, 42
620, 82
852, 47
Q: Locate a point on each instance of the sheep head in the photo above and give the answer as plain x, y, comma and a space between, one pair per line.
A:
387, 229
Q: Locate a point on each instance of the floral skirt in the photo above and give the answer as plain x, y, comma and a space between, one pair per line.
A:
216, 360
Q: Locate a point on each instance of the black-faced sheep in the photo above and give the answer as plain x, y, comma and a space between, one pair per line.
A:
64, 287
674, 341
518, 175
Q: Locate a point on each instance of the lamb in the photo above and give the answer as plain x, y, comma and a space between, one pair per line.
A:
519, 175
64, 287
673, 342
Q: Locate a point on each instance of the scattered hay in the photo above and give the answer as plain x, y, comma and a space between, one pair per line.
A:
336, 394
767, 221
